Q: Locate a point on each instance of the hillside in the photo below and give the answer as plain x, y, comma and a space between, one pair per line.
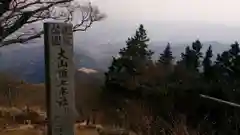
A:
18, 93
87, 88
27, 62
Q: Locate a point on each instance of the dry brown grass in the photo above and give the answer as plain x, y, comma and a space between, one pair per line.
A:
86, 132
21, 132
179, 129
30, 130
26, 131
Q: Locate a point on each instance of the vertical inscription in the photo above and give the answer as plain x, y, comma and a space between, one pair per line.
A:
63, 75
56, 34
60, 74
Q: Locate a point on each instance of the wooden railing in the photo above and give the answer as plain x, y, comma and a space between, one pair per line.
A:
220, 100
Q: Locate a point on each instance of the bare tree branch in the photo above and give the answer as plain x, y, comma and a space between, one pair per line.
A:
21, 40
15, 14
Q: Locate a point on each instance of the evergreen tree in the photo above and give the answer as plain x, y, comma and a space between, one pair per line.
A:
235, 59
133, 58
187, 58
207, 63
234, 51
166, 57
223, 62
229, 61
191, 57
179, 93
137, 47
197, 46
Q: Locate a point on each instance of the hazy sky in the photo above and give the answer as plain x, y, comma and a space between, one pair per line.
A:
213, 11
168, 20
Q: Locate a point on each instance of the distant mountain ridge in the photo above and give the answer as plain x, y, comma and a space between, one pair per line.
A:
27, 63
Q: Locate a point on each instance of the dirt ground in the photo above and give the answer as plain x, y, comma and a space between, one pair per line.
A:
37, 132
29, 130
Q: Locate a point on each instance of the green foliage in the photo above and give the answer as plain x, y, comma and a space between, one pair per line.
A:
137, 47
207, 63
133, 59
191, 57
166, 57
177, 91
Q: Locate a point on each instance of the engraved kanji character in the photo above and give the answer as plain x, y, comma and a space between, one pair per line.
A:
61, 54
55, 29
66, 109
63, 83
63, 91
63, 73
62, 101
62, 63
56, 39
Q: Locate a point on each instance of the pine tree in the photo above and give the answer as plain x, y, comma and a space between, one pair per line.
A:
207, 63
191, 57
166, 57
197, 46
228, 62
234, 51
235, 60
133, 57
137, 47
223, 65
187, 58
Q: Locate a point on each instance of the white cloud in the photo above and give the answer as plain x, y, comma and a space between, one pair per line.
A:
217, 11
